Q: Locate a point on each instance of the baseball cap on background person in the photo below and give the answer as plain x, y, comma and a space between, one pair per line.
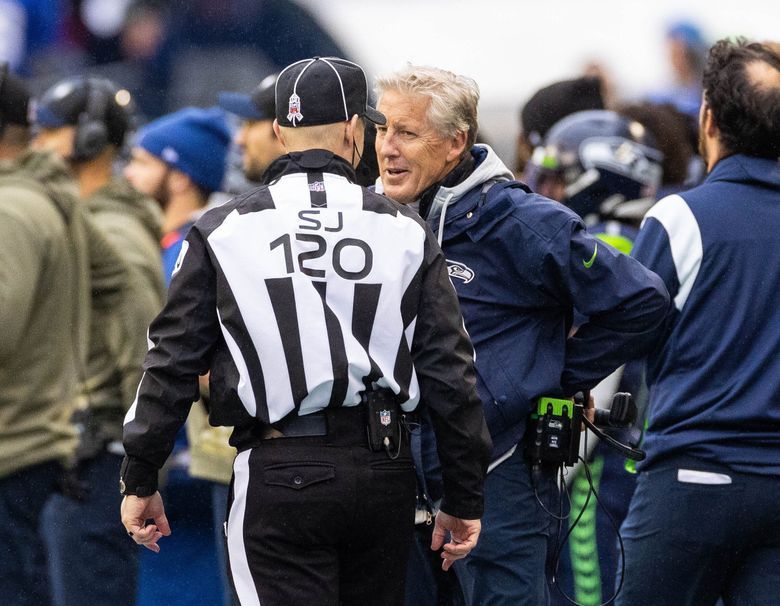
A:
322, 90
14, 99
256, 144
258, 105
192, 140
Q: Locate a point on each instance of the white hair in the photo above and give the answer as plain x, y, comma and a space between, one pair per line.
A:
454, 98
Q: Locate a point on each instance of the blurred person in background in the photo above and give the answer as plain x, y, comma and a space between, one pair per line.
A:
607, 168
702, 521
686, 50
44, 287
84, 121
255, 138
550, 104
180, 160
229, 40
676, 135
521, 265
29, 28
54, 261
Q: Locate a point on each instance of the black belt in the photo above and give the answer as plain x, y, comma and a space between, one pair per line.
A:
294, 426
343, 420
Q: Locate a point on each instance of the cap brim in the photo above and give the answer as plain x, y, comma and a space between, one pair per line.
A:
375, 116
240, 105
46, 118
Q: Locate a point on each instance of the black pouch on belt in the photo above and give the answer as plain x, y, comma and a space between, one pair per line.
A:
383, 419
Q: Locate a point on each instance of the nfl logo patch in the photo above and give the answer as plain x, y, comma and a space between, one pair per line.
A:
316, 186
294, 109
384, 417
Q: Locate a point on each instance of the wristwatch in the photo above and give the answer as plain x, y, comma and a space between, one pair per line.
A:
137, 478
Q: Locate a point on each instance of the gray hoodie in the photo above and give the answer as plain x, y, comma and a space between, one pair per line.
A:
489, 170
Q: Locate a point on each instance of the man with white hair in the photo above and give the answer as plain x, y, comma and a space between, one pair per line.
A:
521, 265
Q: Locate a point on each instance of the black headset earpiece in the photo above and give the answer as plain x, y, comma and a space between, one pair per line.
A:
91, 131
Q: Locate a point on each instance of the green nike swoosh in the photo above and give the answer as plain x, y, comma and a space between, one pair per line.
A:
588, 264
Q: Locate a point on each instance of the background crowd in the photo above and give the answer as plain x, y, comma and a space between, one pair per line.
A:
148, 112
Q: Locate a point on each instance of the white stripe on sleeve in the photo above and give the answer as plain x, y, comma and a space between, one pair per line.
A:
676, 217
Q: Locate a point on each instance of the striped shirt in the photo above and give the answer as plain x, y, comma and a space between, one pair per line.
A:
297, 296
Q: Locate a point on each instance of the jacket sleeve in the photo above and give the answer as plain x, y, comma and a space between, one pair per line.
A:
625, 303
181, 339
444, 361
144, 298
653, 250
108, 271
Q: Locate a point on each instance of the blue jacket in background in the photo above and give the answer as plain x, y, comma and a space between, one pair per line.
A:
715, 377
521, 265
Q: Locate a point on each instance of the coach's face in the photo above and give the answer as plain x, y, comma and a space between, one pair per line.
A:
412, 155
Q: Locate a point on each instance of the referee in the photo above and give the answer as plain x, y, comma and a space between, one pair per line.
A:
326, 317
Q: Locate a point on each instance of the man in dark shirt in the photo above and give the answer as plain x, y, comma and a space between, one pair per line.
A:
703, 521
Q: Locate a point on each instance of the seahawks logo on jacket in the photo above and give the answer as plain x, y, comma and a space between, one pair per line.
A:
460, 271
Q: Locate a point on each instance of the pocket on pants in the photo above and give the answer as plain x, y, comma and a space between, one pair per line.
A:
701, 513
400, 464
298, 475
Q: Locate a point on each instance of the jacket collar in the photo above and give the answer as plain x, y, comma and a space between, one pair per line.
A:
313, 160
747, 169
487, 168
457, 175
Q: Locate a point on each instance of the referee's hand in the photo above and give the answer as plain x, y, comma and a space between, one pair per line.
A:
463, 537
136, 510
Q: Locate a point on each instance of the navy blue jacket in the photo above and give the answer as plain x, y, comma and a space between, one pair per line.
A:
715, 377
521, 265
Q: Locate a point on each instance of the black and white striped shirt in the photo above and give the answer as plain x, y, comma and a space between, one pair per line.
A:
297, 296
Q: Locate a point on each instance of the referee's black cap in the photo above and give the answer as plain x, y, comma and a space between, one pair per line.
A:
323, 90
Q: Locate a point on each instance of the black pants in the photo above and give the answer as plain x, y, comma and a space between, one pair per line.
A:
320, 520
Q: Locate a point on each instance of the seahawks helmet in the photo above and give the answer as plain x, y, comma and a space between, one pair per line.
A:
598, 163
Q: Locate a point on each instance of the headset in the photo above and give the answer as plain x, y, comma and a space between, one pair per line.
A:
555, 439
91, 131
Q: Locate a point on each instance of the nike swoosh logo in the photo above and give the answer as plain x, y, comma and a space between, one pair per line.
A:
588, 264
